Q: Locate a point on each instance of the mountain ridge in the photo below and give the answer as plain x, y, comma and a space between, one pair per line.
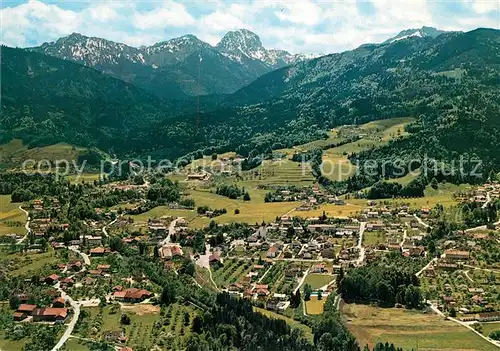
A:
165, 62
435, 80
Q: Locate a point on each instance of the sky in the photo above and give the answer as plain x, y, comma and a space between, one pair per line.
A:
302, 26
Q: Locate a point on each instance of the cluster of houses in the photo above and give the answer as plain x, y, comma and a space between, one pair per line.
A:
57, 313
482, 194
311, 197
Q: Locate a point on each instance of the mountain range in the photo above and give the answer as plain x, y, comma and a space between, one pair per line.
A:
415, 32
178, 67
450, 83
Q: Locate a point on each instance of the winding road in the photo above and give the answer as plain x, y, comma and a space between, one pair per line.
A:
71, 325
426, 266
74, 304
421, 221
360, 246
26, 226
104, 231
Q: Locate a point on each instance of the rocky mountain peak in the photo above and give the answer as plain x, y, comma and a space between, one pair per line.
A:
416, 32
242, 42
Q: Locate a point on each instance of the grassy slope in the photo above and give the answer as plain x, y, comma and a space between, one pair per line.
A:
293, 323
16, 152
252, 211
336, 166
410, 330
9, 213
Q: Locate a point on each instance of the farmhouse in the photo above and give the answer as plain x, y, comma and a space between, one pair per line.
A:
58, 302
50, 314
97, 251
52, 279
132, 295
457, 255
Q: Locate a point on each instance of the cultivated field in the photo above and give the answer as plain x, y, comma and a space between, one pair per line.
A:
330, 210
231, 272
336, 166
16, 152
84, 178
293, 323
318, 280
250, 211
160, 211
138, 332
410, 329
12, 219
315, 306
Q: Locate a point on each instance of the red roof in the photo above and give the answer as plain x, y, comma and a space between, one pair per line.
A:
53, 277
213, 257
26, 308
51, 312
58, 300
97, 250
132, 293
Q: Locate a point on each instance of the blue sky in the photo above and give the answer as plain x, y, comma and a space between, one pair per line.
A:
307, 26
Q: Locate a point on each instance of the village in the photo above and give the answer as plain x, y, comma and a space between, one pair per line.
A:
283, 265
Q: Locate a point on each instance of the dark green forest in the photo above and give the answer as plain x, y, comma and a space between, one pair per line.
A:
449, 83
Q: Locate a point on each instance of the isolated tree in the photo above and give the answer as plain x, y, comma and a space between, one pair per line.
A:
434, 183
14, 302
453, 312
168, 295
187, 319
125, 319
214, 156
307, 292
246, 196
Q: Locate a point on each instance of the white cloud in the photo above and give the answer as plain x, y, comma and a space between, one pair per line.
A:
220, 21
170, 14
301, 12
294, 25
103, 13
486, 6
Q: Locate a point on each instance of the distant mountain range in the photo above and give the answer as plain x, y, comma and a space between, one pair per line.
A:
450, 83
418, 32
177, 67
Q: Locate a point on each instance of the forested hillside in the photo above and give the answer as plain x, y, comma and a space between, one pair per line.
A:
46, 100
449, 83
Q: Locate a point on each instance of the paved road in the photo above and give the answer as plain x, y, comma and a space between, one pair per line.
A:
301, 281
360, 246
405, 234
482, 269
481, 227
85, 257
71, 325
421, 221
488, 200
26, 226
463, 324
74, 304
466, 273
265, 273
426, 266
171, 230
104, 231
